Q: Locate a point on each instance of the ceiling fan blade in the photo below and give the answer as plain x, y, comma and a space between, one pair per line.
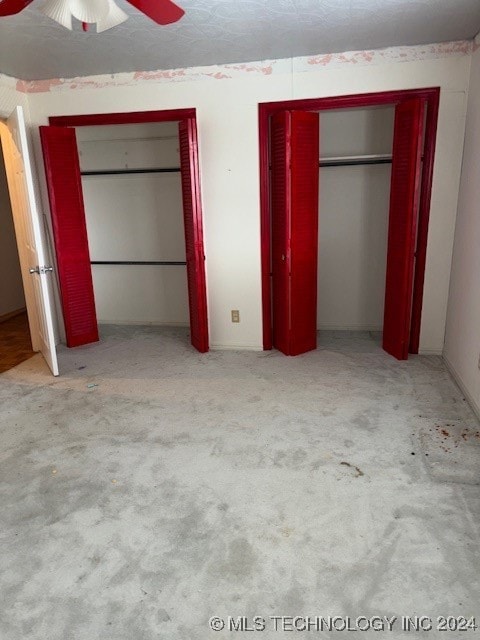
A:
160, 11
10, 7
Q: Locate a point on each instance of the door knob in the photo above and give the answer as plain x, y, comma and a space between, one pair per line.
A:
40, 270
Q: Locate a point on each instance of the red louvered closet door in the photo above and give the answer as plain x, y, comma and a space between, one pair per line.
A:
281, 209
295, 157
192, 217
404, 192
70, 234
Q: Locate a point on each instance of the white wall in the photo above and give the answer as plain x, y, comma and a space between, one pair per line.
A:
12, 297
10, 97
462, 340
226, 99
353, 220
135, 217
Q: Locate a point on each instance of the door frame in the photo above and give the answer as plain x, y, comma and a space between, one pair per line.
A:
144, 117
431, 96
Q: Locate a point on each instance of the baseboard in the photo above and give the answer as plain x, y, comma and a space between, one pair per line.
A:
474, 405
430, 352
235, 347
350, 327
143, 323
12, 314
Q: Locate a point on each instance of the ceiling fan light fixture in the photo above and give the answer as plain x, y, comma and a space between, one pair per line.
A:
104, 13
114, 17
89, 10
59, 11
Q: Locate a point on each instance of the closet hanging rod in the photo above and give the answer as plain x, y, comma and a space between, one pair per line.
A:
115, 172
139, 262
350, 161
361, 156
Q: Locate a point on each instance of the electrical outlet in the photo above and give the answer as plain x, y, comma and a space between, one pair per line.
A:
235, 315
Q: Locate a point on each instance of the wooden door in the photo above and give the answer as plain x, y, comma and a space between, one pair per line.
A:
36, 272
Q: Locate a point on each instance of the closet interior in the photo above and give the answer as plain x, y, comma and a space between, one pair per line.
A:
354, 192
131, 182
345, 192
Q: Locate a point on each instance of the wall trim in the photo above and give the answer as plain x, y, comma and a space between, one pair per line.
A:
191, 190
12, 314
474, 405
129, 117
236, 347
430, 352
431, 98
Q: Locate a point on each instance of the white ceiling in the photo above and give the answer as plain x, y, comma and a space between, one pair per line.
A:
33, 47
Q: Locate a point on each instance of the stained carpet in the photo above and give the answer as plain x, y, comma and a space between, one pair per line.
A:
149, 488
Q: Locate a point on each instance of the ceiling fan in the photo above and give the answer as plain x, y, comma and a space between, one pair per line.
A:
105, 13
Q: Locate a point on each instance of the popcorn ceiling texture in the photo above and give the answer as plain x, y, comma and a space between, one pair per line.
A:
264, 68
212, 32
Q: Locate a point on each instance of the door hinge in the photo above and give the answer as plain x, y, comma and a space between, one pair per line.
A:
40, 270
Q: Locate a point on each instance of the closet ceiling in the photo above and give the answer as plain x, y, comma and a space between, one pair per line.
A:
33, 47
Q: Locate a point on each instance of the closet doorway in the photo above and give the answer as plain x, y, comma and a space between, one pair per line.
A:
125, 202
28, 286
291, 156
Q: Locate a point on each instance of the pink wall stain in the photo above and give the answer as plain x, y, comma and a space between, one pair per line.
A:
159, 75
218, 76
21, 86
368, 56
463, 47
226, 72
265, 70
321, 60
41, 86
395, 53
